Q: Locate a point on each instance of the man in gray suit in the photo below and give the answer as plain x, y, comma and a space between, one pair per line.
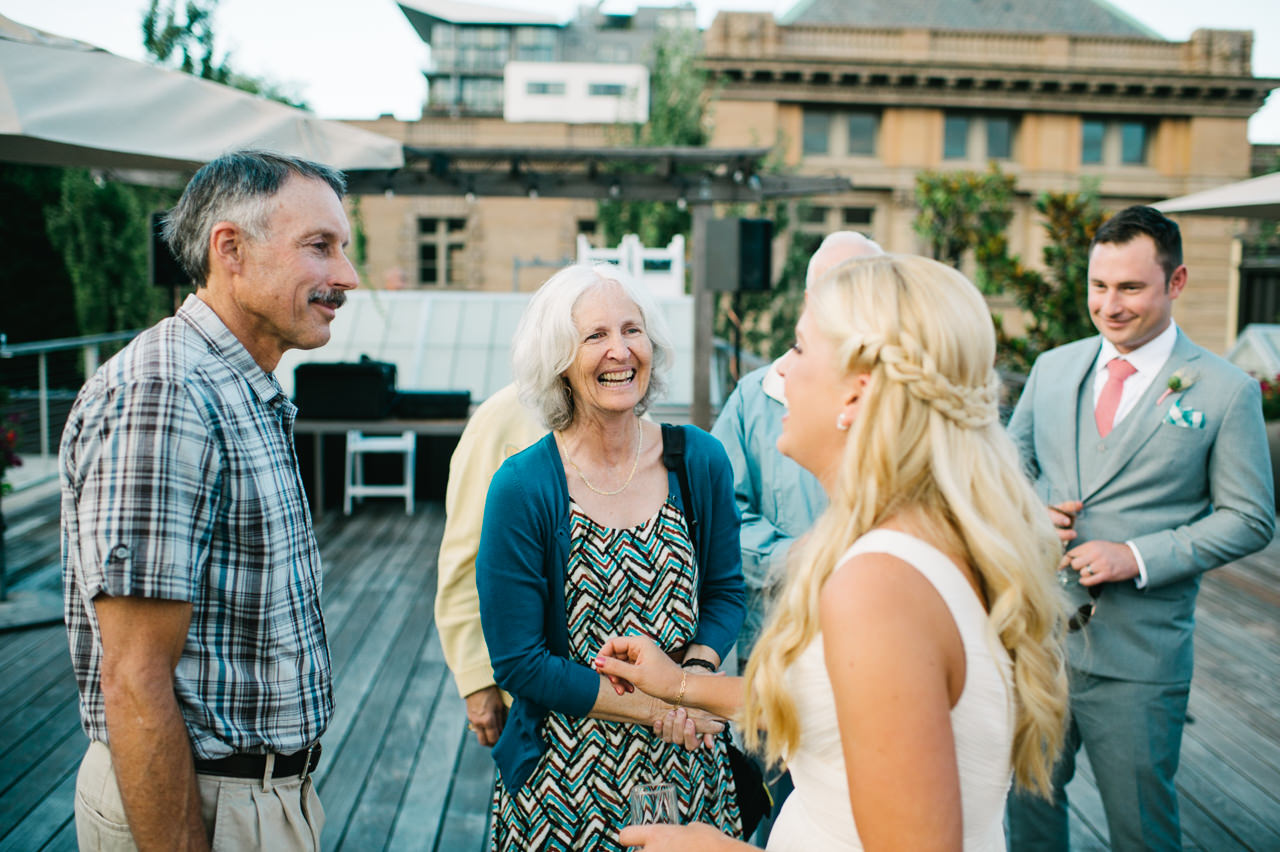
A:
1150, 452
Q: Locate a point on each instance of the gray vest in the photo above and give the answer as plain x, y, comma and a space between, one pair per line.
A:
1091, 448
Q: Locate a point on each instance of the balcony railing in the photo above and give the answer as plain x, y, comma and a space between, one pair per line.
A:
56, 391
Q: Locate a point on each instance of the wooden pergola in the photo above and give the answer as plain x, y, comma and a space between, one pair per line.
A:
696, 177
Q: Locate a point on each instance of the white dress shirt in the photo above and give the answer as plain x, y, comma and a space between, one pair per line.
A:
1148, 360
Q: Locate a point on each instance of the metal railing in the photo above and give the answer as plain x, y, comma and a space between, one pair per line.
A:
90, 346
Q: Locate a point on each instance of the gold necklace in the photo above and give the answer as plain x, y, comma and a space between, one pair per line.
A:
635, 464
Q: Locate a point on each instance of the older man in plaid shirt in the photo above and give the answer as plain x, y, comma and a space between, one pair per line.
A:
191, 573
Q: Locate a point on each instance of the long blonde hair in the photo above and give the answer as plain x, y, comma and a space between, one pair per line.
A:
926, 441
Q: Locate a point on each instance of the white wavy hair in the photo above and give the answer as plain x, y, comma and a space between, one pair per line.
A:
546, 341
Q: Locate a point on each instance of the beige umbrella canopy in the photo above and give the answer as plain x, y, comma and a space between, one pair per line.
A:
64, 102
1257, 197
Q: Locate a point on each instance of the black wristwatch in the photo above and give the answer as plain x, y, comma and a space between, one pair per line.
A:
700, 663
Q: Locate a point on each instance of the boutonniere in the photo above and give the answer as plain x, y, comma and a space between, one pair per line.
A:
1178, 382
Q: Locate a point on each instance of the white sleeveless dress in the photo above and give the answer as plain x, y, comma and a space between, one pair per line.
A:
817, 816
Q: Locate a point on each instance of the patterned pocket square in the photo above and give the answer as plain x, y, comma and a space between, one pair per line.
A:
1187, 418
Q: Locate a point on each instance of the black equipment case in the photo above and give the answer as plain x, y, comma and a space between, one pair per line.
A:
432, 405
364, 390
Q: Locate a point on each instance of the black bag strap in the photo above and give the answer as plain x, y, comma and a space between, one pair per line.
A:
754, 798
673, 460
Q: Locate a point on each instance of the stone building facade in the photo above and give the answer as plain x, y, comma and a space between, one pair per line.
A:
1085, 96
1141, 118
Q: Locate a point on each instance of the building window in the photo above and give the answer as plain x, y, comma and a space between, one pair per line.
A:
955, 138
481, 94
813, 222
862, 134
543, 88
481, 49
535, 44
1133, 143
1091, 138
977, 137
841, 133
817, 132
999, 138
606, 90
442, 92
613, 53
812, 215
441, 251
1114, 143
858, 218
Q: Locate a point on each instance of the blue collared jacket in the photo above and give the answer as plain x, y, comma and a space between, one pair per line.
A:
777, 498
520, 574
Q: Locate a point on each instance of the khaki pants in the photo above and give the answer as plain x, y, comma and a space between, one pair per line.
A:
239, 813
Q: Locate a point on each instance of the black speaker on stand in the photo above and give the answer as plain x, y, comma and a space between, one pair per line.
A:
739, 259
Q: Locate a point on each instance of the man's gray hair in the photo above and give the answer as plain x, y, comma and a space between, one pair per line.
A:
547, 340
234, 188
838, 247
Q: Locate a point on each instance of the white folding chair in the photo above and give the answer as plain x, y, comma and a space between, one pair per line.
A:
358, 444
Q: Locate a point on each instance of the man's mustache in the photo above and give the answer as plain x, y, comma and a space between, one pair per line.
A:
332, 298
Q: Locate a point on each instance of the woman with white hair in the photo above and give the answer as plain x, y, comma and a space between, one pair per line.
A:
913, 662
586, 535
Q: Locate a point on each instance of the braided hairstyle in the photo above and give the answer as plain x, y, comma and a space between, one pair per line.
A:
927, 440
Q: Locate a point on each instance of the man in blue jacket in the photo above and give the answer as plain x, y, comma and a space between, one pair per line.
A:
778, 499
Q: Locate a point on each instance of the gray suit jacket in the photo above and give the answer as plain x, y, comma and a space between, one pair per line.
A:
1190, 499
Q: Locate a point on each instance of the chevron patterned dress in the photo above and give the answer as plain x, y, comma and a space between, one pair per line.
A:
636, 580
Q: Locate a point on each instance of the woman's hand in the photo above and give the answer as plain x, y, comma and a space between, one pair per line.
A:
688, 727
635, 661
698, 837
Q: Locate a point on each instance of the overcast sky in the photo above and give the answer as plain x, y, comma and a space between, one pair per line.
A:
360, 58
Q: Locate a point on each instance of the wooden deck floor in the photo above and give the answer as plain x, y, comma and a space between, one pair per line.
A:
401, 773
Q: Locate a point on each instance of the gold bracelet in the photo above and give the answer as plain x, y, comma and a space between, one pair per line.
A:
684, 684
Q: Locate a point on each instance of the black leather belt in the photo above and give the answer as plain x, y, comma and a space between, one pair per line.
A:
255, 765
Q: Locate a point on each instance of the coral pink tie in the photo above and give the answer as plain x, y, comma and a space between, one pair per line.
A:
1118, 370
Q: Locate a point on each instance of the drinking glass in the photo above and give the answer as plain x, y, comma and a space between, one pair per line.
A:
1067, 577
654, 803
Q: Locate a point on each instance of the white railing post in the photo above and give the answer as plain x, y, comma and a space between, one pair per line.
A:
42, 360
90, 360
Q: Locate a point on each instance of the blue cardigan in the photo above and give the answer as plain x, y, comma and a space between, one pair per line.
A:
520, 574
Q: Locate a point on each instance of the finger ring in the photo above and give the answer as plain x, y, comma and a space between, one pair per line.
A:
1088, 569
470, 727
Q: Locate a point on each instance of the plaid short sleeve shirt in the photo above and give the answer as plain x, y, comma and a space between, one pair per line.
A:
180, 482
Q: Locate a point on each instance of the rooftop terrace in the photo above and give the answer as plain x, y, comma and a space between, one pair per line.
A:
401, 772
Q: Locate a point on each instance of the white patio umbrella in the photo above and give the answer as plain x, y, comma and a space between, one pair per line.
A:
1257, 197
64, 102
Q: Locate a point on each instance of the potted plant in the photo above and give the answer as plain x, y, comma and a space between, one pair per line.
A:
8, 441
8, 458
1271, 414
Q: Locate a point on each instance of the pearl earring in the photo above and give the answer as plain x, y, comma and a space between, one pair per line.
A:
840, 424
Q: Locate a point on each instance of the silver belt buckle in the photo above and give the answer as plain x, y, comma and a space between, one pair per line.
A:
306, 764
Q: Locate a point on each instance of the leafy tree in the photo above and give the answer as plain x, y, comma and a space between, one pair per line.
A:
187, 42
102, 230
1262, 236
678, 97
963, 211
959, 211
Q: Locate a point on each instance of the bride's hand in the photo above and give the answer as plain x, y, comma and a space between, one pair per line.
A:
698, 837
635, 661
